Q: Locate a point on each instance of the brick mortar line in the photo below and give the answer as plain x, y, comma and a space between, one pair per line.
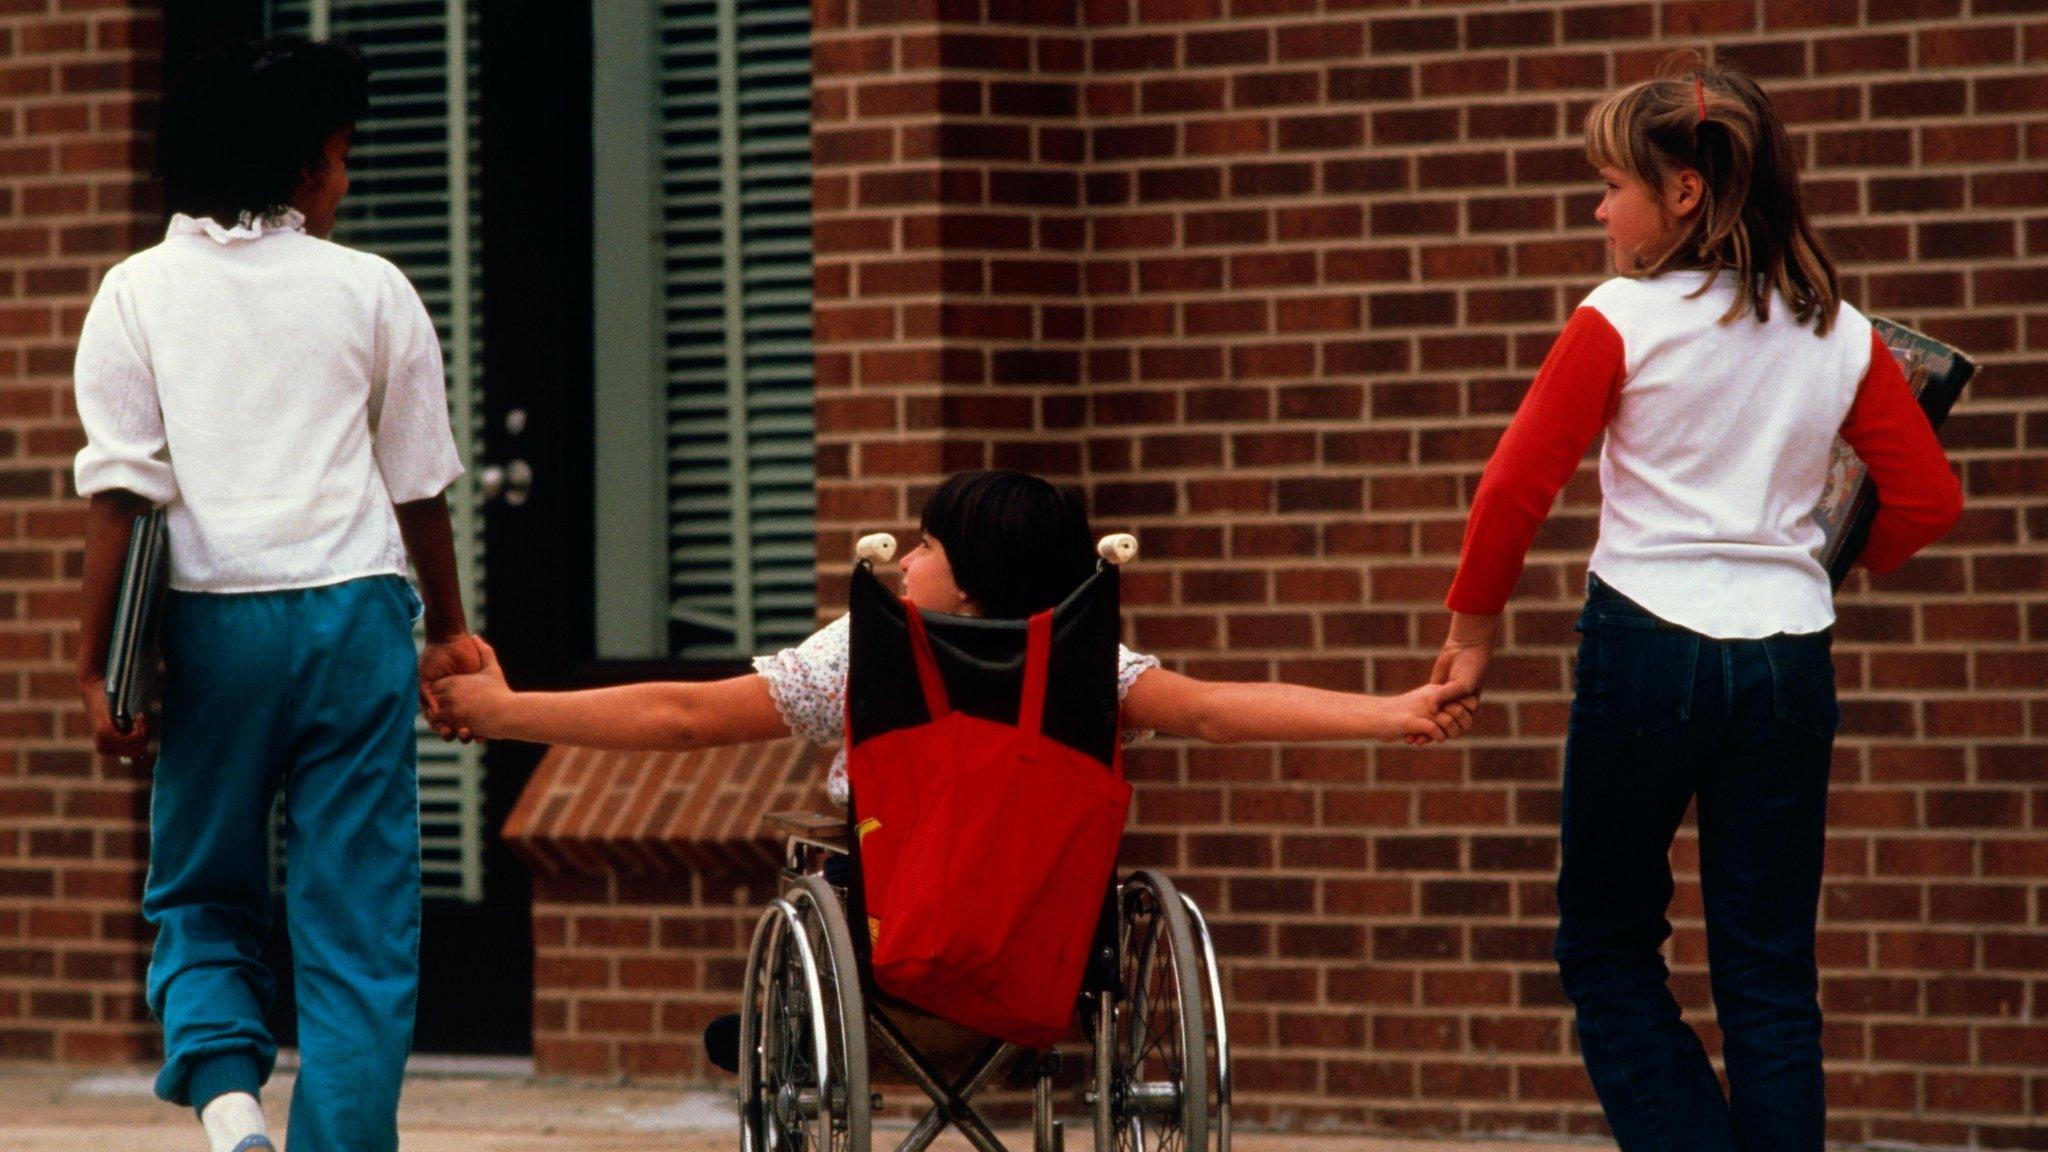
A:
1417, 64
1492, 190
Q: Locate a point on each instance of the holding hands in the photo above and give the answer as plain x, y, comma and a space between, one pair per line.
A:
440, 659
1460, 669
459, 697
1434, 713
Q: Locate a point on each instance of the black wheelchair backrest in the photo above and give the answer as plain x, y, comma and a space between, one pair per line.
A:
982, 664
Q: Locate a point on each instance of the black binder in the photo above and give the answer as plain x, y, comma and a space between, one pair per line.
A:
132, 650
1848, 504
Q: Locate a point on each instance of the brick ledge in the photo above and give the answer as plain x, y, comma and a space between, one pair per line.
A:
636, 813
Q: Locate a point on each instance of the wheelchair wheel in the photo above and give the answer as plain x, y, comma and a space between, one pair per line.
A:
803, 1029
1219, 1031
1158, 1098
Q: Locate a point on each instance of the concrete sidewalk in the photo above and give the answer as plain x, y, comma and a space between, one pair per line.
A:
453, 1106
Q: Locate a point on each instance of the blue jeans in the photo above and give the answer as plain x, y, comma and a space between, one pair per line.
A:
309, 691
1663, 717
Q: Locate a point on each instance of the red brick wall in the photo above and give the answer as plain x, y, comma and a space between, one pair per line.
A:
1326, 244
78, 84
1267, 276
949, 239
649, 874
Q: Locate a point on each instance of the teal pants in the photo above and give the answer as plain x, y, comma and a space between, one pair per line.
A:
312, 692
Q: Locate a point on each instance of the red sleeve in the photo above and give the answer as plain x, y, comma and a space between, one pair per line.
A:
1918, 498
1572, 399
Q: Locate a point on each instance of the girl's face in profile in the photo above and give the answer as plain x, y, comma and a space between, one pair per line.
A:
928, 580
1637, 227
319, 198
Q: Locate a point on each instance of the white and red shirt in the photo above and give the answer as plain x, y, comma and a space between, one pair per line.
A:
1718, 443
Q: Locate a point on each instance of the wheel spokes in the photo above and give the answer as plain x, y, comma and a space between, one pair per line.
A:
783, 1092
804, 1072
1149, 1078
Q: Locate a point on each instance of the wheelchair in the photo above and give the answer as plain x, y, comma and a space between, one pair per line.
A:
1150, 1012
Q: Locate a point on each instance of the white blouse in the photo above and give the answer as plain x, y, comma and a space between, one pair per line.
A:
808, 684
276, 393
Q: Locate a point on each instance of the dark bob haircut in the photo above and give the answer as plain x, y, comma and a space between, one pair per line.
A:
244, 125
1017, 544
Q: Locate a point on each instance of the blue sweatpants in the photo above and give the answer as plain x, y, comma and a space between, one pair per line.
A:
311, 691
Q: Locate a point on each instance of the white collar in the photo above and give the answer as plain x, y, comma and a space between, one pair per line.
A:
250, 227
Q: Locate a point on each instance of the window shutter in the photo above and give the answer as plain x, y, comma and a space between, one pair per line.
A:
735, 211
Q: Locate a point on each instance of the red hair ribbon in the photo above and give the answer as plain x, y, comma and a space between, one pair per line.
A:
1699, 90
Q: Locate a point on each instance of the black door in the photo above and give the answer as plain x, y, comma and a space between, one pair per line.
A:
476, 959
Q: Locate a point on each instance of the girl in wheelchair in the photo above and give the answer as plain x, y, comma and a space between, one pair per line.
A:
991, 543
995, 544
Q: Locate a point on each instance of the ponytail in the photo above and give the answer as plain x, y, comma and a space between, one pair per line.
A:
1750, 224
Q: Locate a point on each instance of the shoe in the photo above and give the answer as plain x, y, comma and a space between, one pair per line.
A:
256, 1144
721, 1042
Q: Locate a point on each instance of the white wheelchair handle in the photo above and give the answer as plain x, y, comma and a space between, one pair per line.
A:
880, 548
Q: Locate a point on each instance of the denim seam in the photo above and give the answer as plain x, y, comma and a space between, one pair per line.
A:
1728, 683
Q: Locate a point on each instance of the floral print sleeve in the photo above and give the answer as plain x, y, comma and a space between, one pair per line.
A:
808, 685
1129, 666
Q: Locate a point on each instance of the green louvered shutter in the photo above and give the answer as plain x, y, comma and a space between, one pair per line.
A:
413, 199
735, 220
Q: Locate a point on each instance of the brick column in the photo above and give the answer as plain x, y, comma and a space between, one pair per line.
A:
78, 88
948, 235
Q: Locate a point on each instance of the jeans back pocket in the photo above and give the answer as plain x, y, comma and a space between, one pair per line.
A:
1634, 677
1803, 681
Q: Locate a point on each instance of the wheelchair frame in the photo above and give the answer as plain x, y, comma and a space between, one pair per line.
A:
806, 1024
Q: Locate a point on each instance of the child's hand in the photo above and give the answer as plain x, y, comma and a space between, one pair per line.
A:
439, 659
461, 704
1435, 712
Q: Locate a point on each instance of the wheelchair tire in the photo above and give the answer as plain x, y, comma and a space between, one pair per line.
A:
1219, 1030
803, 1029
1158, 1098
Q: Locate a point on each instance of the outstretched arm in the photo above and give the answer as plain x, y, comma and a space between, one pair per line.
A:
1227, 712
661, 715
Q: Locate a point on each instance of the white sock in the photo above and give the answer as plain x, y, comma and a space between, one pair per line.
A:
231, 1118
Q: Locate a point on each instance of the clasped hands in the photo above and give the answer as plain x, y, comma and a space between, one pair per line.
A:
1460, 671
441, 659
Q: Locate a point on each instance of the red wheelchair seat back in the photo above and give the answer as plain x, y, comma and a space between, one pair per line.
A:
987, 800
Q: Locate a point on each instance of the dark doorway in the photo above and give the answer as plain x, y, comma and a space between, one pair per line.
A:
476, 960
